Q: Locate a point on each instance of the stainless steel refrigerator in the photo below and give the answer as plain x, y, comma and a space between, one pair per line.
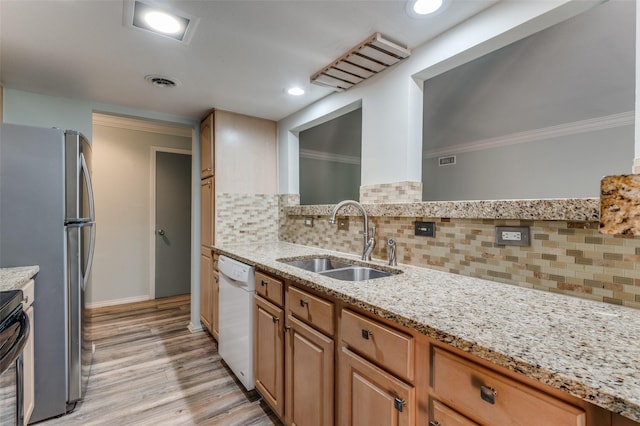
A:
47, 219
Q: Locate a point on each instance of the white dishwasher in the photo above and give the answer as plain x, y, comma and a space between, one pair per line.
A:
235, 340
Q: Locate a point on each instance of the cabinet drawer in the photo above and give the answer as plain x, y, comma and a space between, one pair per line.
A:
491, 398
311, 309
385, 346
445, 416
270, 288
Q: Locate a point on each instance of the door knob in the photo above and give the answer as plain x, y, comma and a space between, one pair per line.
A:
161, 232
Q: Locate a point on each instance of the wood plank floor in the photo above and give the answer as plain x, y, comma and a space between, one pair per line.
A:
149, 369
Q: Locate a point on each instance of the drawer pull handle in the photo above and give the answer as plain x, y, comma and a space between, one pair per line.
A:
263, 283
275, 319
304, 303
399, 404
488, 394
366, 334
286, 328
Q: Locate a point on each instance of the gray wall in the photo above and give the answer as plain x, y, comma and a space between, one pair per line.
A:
581, 69
328, 182
545, 169
331, 174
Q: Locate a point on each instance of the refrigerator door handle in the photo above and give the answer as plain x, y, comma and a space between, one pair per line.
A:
87, 179
92, 245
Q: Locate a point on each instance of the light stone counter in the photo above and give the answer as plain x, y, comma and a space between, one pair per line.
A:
16, 278
571, 209
588, 349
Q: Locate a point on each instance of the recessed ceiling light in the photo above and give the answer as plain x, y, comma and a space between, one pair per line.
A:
420, 8
161, 21
296, 91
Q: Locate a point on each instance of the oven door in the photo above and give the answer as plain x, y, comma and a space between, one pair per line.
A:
14, 331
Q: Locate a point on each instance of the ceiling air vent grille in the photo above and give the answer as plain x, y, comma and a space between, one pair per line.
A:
162, 81
368, 58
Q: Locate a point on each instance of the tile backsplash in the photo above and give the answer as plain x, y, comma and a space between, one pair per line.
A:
397, 192
566, 257
246, 218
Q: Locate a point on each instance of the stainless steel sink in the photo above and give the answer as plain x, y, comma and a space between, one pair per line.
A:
356, 273
338, 269
317, 264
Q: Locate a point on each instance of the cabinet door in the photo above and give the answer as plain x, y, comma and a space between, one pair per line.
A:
207, 225
215, 317
29, 366
207, 150
268, 361
370, 396
309, 376
205, 287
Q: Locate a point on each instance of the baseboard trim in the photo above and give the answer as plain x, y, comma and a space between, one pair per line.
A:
195, 328
117, 302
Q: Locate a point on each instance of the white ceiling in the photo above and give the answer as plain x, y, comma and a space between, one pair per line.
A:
242, 57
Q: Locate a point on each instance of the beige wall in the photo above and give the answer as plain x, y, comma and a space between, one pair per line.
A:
245, 154
121, 173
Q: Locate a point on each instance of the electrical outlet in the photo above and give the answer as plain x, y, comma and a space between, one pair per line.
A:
425, 229
343, 224
308, 221
513, 235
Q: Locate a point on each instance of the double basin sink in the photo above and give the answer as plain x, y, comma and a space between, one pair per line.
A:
338, 269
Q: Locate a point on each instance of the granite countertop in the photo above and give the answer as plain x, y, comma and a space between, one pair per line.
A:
573, 209
16, 278
588, 349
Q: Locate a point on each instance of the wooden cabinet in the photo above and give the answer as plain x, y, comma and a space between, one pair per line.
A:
207, 212
28, 359
268, 343
268, 360
270, 288
293, 355
206, 288
383, 345
215, 298
309, 375
445, 416
374, 360
207, 149
382, 373
371, 396
490, 398
209, 289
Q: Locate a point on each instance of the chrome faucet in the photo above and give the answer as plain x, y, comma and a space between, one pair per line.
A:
368, 243
392, 252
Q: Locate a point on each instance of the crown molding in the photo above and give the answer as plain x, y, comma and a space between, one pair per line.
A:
162, 128
566, 129
327, 156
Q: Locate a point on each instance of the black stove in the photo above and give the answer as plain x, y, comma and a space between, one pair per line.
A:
9, 301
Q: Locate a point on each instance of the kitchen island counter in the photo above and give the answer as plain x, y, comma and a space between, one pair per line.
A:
585, 348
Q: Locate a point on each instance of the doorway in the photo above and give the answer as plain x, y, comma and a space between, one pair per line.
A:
171, 191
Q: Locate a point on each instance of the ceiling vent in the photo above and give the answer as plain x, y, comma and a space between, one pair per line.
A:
162, 81
368, 58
